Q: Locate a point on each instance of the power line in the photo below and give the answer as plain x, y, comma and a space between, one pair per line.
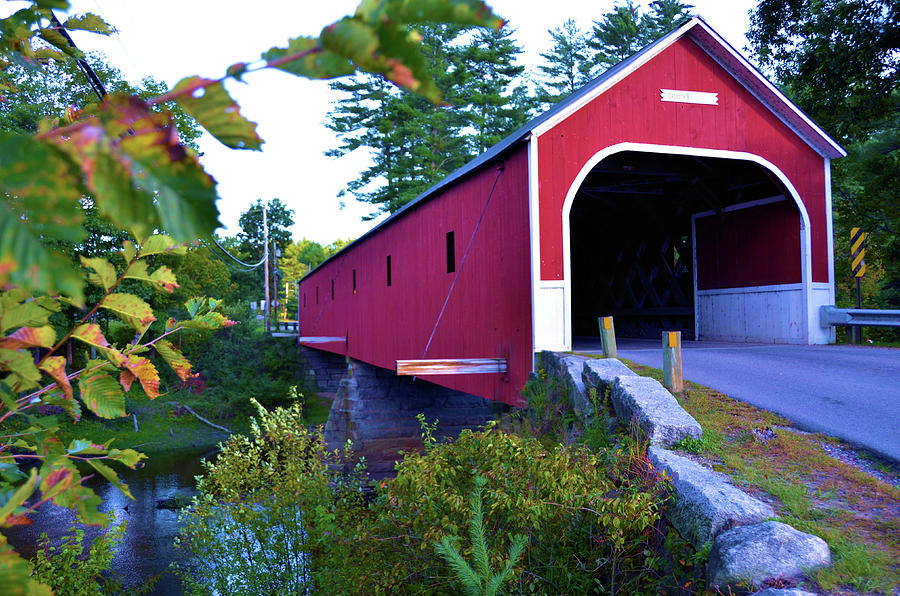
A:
95, 82
235, 259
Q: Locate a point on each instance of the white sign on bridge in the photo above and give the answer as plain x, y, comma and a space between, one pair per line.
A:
699, 97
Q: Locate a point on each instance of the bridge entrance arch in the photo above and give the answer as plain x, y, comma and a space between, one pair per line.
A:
712, 243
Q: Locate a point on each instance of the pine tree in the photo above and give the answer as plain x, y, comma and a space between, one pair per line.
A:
616, 36
414, 143
567, 67
666, 15
489, 62
625, 31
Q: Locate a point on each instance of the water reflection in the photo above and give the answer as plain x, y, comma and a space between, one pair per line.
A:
146, 550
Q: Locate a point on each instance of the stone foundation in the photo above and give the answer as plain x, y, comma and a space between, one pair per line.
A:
376, 410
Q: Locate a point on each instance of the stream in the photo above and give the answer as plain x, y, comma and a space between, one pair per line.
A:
146, 549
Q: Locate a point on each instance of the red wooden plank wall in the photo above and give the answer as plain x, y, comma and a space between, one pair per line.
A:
631, 111
489, 312
757, 246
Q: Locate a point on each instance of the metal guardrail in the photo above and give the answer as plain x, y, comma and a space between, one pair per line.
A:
861, 317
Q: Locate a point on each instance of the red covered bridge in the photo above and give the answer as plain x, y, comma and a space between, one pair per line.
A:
678, 190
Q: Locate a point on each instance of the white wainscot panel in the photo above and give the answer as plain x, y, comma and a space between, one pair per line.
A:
820, 295
549, 317
758, 314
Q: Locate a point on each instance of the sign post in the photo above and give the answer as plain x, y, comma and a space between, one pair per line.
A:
608, 336
673, 378
858, 266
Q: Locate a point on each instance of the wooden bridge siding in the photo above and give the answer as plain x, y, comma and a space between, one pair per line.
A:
489, 313
631, 111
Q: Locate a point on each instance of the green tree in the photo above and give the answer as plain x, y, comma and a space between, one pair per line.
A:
279, 220
414, 143
493, 110
838, 61
625, 30
566, 66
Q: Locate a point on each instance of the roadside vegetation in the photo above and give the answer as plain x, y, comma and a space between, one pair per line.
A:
807, 480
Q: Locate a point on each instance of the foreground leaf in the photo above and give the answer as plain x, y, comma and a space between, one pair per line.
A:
111, 475
26, 261
161, 279
130, 309
104, 273
161, 244
23, 373
145, 372
90, 334
218, 113
29, 337
102, 394
15, 574
175, 359
18, 498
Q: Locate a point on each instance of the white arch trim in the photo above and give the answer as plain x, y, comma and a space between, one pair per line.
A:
550, 339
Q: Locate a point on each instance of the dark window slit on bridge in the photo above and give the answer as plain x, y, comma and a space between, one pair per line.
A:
354, 281
317, 294
332, 289
389, 270
451, 253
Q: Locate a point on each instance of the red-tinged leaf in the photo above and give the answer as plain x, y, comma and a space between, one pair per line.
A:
161, 244
90, 334
19, 497
29, 337
102, 395
185, 194
126, 378
162, 279
55, 366
58, 481
175, 359
145, 372
130, 309
86, 503
104, 273
211, 321
217, 112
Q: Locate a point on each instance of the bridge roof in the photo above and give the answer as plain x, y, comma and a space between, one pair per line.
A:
699, 32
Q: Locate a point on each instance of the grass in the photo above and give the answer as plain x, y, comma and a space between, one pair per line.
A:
857, 514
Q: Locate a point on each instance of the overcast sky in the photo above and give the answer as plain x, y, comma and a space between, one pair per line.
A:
172, 39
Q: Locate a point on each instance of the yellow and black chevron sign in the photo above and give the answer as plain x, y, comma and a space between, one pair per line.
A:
858, 251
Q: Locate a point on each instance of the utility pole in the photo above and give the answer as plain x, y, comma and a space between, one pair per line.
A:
276, 254
266, 269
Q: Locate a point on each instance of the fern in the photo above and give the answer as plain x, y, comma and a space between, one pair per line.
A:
479, 581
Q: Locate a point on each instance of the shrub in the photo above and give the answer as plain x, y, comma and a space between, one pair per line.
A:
246, 532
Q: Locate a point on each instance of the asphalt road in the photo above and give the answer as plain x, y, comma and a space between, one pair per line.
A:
850, 392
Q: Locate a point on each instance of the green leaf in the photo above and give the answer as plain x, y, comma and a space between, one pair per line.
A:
105, 274
26, 261
15, 574
110, 475
118, 199
47, 183
29, 337
218, 113
460, 12
350, 38
128, 251
56, 39
88, 22
130, 309
19, 497
21, 368
128, 457
161, 244
102, 394
11, 472
310, 60
34, 313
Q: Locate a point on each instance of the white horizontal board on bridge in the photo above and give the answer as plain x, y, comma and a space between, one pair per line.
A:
451, 366
320, 340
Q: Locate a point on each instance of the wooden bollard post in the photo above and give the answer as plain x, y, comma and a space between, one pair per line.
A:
608, 336
673, 378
